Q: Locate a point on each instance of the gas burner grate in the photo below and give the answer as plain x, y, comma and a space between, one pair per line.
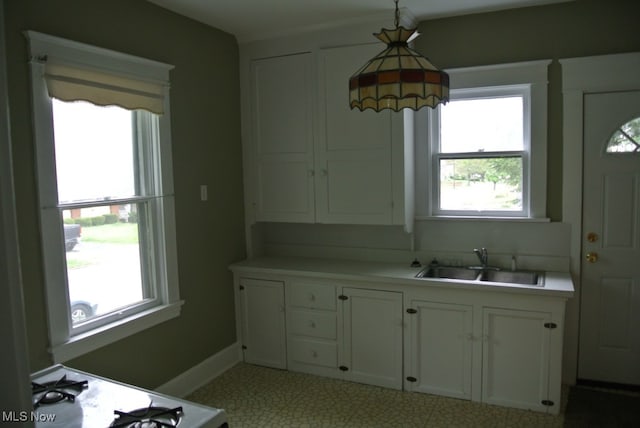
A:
148, 417
56, 391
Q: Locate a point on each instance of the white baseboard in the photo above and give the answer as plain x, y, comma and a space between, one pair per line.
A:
203, 373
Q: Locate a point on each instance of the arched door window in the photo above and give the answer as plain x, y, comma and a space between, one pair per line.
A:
626, 139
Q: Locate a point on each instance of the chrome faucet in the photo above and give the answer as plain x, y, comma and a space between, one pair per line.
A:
483, 256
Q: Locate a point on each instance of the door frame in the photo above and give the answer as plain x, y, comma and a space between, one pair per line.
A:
581, 76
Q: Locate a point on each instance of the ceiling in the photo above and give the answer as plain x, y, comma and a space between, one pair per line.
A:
251, 20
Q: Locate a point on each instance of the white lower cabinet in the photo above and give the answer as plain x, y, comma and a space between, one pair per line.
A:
263, 322
476, 352
440, 348
349, 333
312, 327
493, 346
515, 359
372, 350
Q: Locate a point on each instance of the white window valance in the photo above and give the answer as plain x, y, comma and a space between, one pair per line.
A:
76, 84
75, 71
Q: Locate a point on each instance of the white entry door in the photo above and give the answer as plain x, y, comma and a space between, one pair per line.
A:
610, 306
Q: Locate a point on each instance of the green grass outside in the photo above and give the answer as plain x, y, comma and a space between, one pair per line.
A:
117, 233
75, 263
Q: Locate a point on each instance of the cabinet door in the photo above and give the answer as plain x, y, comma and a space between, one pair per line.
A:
515, 366
440, 349
282, 111
353, 155
263, 322
372, 351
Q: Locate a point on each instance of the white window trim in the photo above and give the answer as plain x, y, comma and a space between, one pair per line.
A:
64, 345
532, 74
436, 155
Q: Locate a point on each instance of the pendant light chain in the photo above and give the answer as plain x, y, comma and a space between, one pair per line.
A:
397, 19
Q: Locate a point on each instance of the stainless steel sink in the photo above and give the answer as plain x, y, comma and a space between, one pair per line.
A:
513, 277
480, 275
449, 272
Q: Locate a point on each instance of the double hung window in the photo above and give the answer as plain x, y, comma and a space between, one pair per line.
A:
487, 146
480, 159
106, 194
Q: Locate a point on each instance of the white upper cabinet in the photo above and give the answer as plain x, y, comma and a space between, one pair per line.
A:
282, 113
354, 148
311, 158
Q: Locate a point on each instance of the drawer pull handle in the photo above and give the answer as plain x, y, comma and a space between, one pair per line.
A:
312, 297
314, 354
312, 324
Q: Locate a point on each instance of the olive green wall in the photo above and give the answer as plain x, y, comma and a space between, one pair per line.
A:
572, 29
207, 148
205, 109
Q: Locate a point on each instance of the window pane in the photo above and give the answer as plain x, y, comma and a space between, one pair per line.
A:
626, 139
482, 125
483, 184
103, 259
94, 148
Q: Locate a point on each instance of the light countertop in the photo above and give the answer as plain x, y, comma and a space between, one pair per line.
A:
556, 284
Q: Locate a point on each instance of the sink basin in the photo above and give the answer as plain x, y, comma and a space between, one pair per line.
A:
520, 277
513, 277
449, 272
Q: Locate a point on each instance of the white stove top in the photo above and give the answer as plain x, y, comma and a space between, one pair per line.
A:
94, 406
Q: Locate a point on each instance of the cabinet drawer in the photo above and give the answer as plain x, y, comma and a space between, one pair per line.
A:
314, 296
313, 352
315, 324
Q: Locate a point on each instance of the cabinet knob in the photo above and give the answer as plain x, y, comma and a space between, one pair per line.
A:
312, 297
314, 354
312, 324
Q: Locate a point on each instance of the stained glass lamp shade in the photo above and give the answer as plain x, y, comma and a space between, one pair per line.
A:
398, 77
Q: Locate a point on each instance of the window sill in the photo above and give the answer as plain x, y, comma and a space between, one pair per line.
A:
92, 340
482, 218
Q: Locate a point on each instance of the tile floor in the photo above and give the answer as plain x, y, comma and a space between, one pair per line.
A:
259, 397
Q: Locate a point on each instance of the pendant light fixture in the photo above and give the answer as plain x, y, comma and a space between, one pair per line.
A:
398, 77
